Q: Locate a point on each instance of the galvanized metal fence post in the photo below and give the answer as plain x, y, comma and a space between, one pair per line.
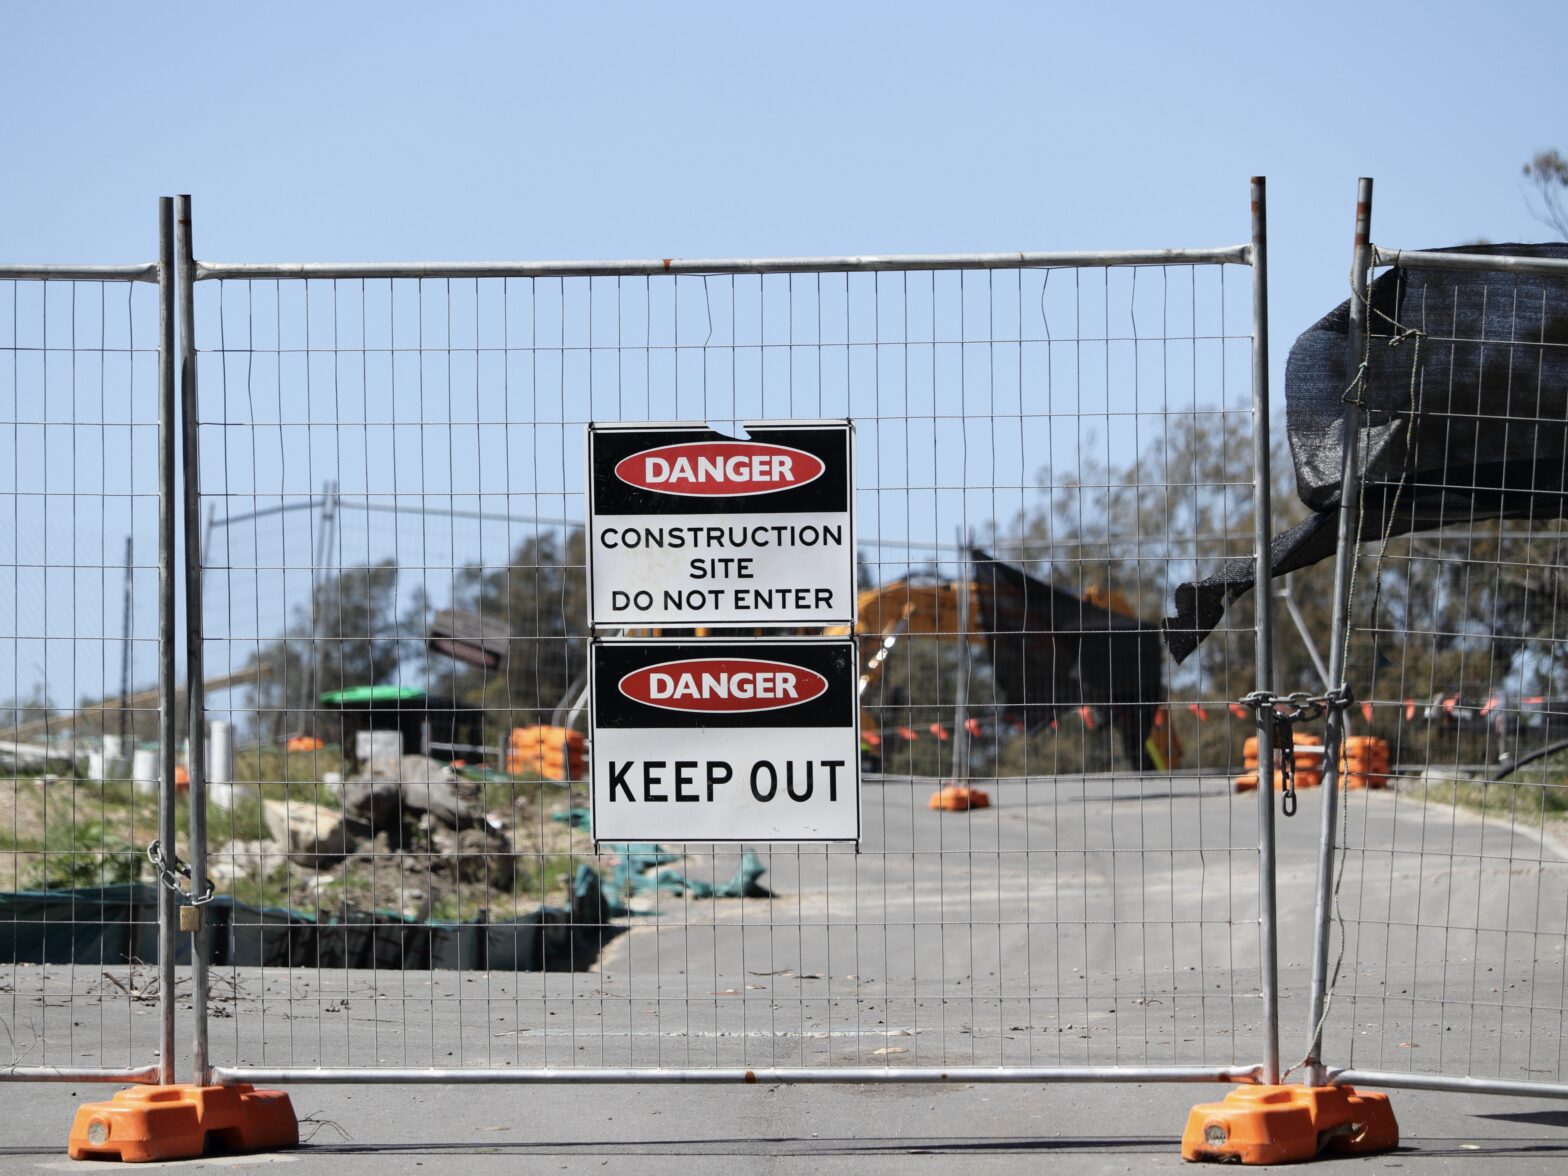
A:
168, 899
194, 675
1292, 1124
1262, 528
961, 693
1344, 579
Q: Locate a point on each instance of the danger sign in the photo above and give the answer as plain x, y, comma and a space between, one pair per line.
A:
719, 741
688, 527
706, 686
700, 469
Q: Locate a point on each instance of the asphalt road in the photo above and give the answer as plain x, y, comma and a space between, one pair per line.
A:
1107, 921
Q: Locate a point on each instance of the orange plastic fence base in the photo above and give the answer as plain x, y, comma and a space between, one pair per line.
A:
957, 798
1288, 1124
146, 1123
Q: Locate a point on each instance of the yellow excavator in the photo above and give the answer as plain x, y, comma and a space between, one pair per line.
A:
1049, 651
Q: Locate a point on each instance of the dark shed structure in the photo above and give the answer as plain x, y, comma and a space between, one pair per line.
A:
407, 709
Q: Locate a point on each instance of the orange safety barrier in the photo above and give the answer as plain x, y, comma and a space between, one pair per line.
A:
304, 743
555, 753
144, 1124
1365, 763
1288, 1124
1309, 764
958, 798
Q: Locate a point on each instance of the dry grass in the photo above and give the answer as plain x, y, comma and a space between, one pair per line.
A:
59, 833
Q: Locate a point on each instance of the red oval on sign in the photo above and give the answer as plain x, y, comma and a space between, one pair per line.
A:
710, 469
723, 685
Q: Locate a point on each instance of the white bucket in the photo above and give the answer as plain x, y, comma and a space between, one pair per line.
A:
105, 764
229, 794
221, 788
220, 753
144, 769
379, 750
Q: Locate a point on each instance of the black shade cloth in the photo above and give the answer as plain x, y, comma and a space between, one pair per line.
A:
1051, 651
1489, 357
111, 925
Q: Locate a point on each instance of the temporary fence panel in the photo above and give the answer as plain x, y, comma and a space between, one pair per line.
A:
1066, 864
1446, 918
85, 752
392, 501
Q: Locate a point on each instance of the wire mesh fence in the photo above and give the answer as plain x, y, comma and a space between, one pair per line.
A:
79, 673
384, 718
395, 632
1451, 893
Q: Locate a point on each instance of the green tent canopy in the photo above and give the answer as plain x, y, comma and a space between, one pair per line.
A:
361, 694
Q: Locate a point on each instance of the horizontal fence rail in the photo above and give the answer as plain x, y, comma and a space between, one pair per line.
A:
584, 1076
1477, 263
706, 267
79, 273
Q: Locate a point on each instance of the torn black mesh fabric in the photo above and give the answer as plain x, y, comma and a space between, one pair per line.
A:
1052, 651
1477, 363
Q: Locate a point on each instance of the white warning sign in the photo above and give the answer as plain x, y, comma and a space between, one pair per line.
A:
725, 741
689, 527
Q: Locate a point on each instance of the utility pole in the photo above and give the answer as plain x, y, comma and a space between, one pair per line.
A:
961, 695
317, 569
125, 651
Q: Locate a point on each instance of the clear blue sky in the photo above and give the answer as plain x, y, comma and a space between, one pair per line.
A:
462, 130
377, 131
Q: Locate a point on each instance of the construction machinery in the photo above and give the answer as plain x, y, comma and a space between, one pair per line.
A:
1049, 653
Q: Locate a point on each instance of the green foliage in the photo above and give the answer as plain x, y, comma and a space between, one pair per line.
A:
269, 890
1432, 616
918, 687
1174, 513
348, 634
265, 766
84, 854
541, 879
351, 635
1535, 797
541, 597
